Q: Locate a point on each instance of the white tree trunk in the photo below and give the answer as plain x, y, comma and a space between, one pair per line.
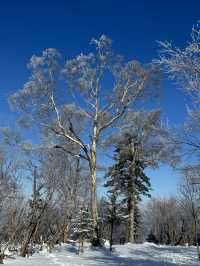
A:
93, 169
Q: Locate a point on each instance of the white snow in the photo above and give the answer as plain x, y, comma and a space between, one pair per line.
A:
124, 255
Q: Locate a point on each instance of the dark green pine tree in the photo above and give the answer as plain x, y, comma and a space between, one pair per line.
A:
127, 176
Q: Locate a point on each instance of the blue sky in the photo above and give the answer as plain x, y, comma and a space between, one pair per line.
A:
28, 27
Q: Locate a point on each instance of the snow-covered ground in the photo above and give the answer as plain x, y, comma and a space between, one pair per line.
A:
124, 255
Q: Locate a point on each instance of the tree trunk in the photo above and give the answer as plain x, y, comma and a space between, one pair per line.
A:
93, 169
1, 258
30, 233
196, 238
35, 220
111, 234
94, 202
65, 233
131, 220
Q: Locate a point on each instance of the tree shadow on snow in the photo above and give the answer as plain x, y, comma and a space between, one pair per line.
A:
68, 248
174, 249
113, 259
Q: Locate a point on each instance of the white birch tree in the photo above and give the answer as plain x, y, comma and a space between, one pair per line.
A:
99, 89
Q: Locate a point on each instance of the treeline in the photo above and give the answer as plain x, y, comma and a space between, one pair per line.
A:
59, 209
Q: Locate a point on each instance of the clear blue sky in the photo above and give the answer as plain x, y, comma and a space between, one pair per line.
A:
28, 27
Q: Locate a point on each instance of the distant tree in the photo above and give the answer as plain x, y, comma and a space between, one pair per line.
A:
190, 201
164, 221
101, 88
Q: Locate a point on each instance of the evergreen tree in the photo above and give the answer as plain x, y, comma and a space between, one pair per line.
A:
127, 176
82, 226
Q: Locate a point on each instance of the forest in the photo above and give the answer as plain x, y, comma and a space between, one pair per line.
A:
74, 169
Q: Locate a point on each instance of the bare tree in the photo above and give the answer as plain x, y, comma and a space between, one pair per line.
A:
68, 177
37, 209
190, 191
164, 221
101, 87
11, 196
183, 66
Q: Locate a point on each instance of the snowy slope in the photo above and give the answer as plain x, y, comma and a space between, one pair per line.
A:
124, 255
